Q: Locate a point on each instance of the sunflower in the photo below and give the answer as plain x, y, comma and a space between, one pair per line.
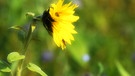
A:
58, 21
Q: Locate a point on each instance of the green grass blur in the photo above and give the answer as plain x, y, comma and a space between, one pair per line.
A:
104, 45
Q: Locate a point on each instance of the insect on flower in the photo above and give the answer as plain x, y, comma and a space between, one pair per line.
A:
58, 21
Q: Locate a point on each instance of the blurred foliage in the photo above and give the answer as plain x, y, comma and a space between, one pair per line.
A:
106, 33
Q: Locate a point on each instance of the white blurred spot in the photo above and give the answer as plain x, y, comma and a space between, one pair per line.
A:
86, 57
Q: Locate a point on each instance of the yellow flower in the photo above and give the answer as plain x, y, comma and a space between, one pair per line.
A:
58, 21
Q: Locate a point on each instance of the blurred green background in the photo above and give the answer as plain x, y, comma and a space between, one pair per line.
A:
104, 45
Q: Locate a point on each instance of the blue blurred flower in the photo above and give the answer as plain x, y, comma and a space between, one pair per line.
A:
47, 56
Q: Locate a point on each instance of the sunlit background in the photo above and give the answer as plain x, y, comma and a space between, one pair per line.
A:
104, 45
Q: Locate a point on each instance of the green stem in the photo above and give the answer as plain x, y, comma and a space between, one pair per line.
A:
26, 43
19, 71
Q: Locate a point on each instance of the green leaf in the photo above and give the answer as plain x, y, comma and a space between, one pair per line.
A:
36, 69
30, 14
121, 69
7, 69
15, 27
101, 68
4, 67
14, 56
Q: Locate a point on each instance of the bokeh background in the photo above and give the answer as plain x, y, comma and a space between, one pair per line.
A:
104, 45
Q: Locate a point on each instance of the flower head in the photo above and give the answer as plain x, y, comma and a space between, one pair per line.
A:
58, 21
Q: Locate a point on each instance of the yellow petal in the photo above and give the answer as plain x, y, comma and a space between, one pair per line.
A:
63, 16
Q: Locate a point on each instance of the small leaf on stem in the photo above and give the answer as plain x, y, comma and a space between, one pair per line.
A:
14, 56
36, 69
7, 69
30, 14
4, 67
